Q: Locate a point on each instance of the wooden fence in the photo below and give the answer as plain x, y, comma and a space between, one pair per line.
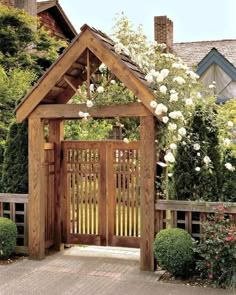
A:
15, 207
187, 215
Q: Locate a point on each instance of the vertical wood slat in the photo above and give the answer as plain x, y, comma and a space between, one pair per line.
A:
111, 192
36, 189
102, 214
148, 165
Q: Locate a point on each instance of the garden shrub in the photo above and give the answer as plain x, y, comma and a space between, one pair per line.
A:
217, 252
173, 251
8, 233
15, 165
195, 179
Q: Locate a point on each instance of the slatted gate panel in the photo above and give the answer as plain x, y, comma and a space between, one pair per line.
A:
83, 188
124, 213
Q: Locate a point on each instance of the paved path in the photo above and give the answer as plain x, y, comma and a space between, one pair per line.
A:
89, 270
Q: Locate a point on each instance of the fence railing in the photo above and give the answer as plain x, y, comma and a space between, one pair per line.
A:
15, 207
188, 215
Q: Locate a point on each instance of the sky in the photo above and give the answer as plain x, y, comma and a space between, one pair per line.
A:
194, 20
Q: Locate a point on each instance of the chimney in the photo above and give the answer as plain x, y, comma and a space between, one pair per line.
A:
28, 5
163, 29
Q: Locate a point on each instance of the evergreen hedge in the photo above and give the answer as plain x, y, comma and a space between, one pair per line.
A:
15, 165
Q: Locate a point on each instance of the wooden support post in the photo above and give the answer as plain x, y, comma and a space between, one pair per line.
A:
148, 168
36, 190
56, 135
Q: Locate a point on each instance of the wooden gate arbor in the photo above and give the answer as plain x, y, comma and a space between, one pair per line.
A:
48, 102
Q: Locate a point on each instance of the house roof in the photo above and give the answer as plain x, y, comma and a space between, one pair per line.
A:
58, 13
54, 88
215, 57
192, 53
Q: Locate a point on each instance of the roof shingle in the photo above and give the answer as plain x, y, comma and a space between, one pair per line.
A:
193, 52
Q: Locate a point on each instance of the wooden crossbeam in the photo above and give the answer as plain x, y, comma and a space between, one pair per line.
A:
70, 111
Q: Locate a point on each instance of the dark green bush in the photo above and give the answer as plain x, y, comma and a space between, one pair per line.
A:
15, 165
8, 233
173, 250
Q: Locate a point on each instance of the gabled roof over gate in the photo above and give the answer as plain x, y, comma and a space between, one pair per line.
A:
53, 89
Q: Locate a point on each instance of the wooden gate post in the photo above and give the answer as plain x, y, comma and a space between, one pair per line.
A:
36, 189
148, 164
56, 135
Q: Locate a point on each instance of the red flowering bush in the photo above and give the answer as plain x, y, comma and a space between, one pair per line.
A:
217, 251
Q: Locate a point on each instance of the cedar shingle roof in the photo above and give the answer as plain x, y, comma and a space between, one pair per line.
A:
193, 52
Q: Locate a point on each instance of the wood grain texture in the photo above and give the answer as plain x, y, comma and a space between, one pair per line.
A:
56, 135
148, 164
70, 111
36, 190
52, 76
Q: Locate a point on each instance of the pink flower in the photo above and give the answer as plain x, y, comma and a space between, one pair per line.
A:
216, 257
210, 276
230, 238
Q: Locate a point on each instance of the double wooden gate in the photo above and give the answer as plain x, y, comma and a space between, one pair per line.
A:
102, 193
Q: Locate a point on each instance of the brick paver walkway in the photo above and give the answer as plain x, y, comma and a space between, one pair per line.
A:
92, 271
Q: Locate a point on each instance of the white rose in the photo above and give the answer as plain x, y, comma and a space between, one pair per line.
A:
169, 157
196, 146
199, 95
189, 101
211, 86
113, 82
161, 108
197, 169
86, 115
100, 89
172, 126
227, 141
163, 89
173, 146
149, 78
179, 80
230, 124
165, 119
182, 131
118, 48
89, 103
159, 78
81, 114
198, 154
174, 96
206, 160
153, 104
91, 87
229, 166
126, 140
176, 115
165, 73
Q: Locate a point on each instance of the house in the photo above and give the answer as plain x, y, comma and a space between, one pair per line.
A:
51, 15
212, 60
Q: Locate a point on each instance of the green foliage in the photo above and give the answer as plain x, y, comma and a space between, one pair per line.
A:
21, 46
173, 251
8, 233
228, 193
87, 129
15, 165
217, 252
193, 178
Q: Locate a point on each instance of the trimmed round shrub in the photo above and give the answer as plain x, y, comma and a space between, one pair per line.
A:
173, 251
8, 233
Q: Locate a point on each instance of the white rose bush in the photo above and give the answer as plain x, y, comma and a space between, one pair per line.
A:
178, 93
